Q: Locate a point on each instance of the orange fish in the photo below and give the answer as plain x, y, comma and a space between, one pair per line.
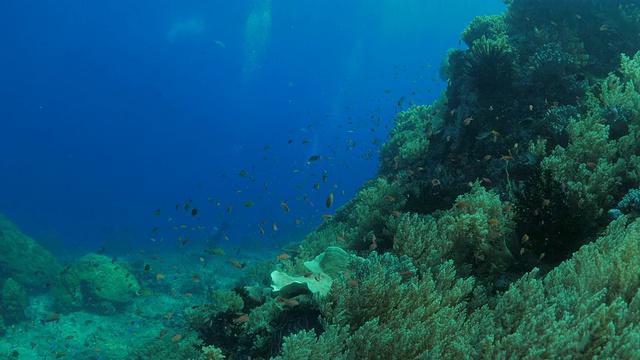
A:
325, 216
237, 264
169, 315
285, 206
493, 222
288, 302
241, 319
330, 200
283, 256
176, 337
159, 276
188, 294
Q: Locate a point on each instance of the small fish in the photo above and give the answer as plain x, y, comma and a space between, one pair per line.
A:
285, 206
287, 302
325, 216
158, 212
214, 251
462, 204
237, 264
147, 267
525, 238
249, 204
194, 211
493, 222
159, 276
324, 176
275, 227
330, 200
243, 173
162, 334
55, 317
219, 43
306, 141
241, 319
314, 158
261, 230
316, 185
176, 337
401, 101
283, 256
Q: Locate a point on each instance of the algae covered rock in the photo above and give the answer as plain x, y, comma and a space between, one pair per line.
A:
23, 260
13, 301
94, 278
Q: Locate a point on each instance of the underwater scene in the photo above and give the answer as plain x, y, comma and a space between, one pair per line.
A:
366, 179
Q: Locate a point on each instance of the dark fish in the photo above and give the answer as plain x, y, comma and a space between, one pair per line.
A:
55, 317
158, 212
315, 158
147, 267
194, 212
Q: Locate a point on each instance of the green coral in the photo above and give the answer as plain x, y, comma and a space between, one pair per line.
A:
488, 26
409, 141
587, 307
226, 300
189, 347
602, 158
475, 231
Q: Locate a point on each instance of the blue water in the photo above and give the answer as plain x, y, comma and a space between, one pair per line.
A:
111, 111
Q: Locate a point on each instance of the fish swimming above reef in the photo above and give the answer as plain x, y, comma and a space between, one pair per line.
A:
55, 317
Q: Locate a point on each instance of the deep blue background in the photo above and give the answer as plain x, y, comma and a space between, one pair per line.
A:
107, 115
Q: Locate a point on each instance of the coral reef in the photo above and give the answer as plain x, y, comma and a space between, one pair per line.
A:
502, 223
